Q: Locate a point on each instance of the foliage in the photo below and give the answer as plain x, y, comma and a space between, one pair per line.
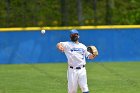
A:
23, 13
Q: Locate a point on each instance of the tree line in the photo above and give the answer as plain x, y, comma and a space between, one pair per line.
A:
25, 13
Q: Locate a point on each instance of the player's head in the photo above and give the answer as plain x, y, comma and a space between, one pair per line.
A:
74, 35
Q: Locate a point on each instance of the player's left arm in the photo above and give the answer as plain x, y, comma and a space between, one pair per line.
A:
93, 52
89, 55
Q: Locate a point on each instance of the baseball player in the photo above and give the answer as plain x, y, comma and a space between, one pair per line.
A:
76, 53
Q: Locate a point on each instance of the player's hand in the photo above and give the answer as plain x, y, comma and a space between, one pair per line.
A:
91, 56
60, 47
93, 50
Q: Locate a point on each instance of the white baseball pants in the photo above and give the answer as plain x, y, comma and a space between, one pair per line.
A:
77, 77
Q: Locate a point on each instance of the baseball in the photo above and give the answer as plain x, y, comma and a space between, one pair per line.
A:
43, 31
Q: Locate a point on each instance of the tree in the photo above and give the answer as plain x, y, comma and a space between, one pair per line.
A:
79, 12
64, 13
109, 9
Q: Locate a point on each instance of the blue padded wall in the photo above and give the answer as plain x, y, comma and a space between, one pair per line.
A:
33, 47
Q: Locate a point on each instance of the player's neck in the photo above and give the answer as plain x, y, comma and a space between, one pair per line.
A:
76, 42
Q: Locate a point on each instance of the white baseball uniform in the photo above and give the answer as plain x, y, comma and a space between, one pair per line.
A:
76, 73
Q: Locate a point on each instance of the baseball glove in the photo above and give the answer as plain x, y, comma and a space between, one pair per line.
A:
93, 50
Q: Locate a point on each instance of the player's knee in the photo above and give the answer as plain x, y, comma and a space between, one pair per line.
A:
72, 91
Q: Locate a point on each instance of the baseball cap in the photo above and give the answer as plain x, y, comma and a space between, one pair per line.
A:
74, 31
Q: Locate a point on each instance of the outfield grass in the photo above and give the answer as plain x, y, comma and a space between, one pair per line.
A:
113, 77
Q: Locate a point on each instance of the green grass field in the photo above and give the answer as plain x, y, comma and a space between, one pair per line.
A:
113, 77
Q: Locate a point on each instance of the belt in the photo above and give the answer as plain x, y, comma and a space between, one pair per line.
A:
77, 67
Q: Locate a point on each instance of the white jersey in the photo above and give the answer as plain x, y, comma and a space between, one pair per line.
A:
75, 53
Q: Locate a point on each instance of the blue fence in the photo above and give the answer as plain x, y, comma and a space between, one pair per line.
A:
33, 47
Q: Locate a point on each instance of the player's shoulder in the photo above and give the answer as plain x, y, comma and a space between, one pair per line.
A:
66, 43
83, 45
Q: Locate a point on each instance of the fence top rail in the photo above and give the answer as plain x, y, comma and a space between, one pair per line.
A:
70, 27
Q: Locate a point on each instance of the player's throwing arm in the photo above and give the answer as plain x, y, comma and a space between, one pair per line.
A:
60, 47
